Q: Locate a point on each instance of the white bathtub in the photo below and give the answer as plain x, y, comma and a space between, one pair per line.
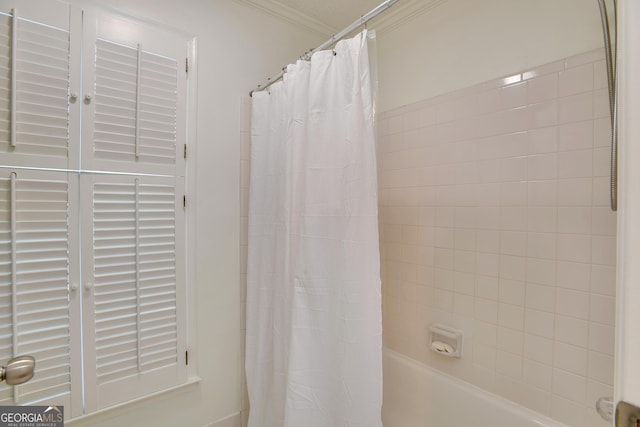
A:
416, 395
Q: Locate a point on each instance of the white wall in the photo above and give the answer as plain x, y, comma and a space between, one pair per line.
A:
238, 48
463, 42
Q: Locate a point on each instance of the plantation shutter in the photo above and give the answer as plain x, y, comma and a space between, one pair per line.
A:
134, 239
138, 276
92, 257
34, 87
136, 101
34, 284
139, 87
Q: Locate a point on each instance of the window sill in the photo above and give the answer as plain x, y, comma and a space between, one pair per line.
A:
191, 381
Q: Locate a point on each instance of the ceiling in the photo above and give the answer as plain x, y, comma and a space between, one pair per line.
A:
328, 17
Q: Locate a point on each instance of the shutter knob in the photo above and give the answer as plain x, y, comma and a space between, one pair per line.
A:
73, 96
88, 98
88, 286
18, 370
73, 287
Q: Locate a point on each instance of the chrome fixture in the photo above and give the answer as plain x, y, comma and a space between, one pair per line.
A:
358, 23
18, 370
610, 49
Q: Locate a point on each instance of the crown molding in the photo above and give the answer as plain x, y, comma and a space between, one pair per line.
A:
397, 15
403, 12
290, 15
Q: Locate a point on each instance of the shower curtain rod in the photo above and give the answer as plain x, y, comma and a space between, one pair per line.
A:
333, 40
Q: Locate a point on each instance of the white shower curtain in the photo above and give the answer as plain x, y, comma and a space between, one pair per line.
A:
313, 348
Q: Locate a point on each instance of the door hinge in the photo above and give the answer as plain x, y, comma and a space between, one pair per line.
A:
186, 65
184, 201
186, 357
185, 151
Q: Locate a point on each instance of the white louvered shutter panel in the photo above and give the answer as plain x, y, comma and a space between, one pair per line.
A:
138, 280
126, 110
98, 265
135, 123
40, 86
115, 102
42, 301
139, 105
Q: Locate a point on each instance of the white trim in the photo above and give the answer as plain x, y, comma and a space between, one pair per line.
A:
627, 350
290, 15
402, 13
234, 420
132, 15
84, 171
399, 14
192, 381
191, 189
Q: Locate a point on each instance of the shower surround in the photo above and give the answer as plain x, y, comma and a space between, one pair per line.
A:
495, 220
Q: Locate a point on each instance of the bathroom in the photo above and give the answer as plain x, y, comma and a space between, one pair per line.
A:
500, 228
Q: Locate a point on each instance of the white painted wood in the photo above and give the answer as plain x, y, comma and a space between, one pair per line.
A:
234, 420
48, 74
627, 372
134, 268
35, 303
136, 116
34, 57
13, 84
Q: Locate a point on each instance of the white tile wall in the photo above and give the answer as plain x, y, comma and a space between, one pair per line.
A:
494, 214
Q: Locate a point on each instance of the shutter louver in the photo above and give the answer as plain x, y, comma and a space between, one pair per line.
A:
42, 272
42, 87
125, 111
135, 274
114, 276
157, 275
92, 253
115, 102
158, 109
133, 127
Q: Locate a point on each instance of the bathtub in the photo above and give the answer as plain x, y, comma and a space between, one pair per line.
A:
416, 395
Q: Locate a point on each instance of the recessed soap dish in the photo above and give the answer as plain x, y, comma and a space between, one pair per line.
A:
445, 340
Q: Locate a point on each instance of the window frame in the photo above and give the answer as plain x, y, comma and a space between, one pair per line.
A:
79, 216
